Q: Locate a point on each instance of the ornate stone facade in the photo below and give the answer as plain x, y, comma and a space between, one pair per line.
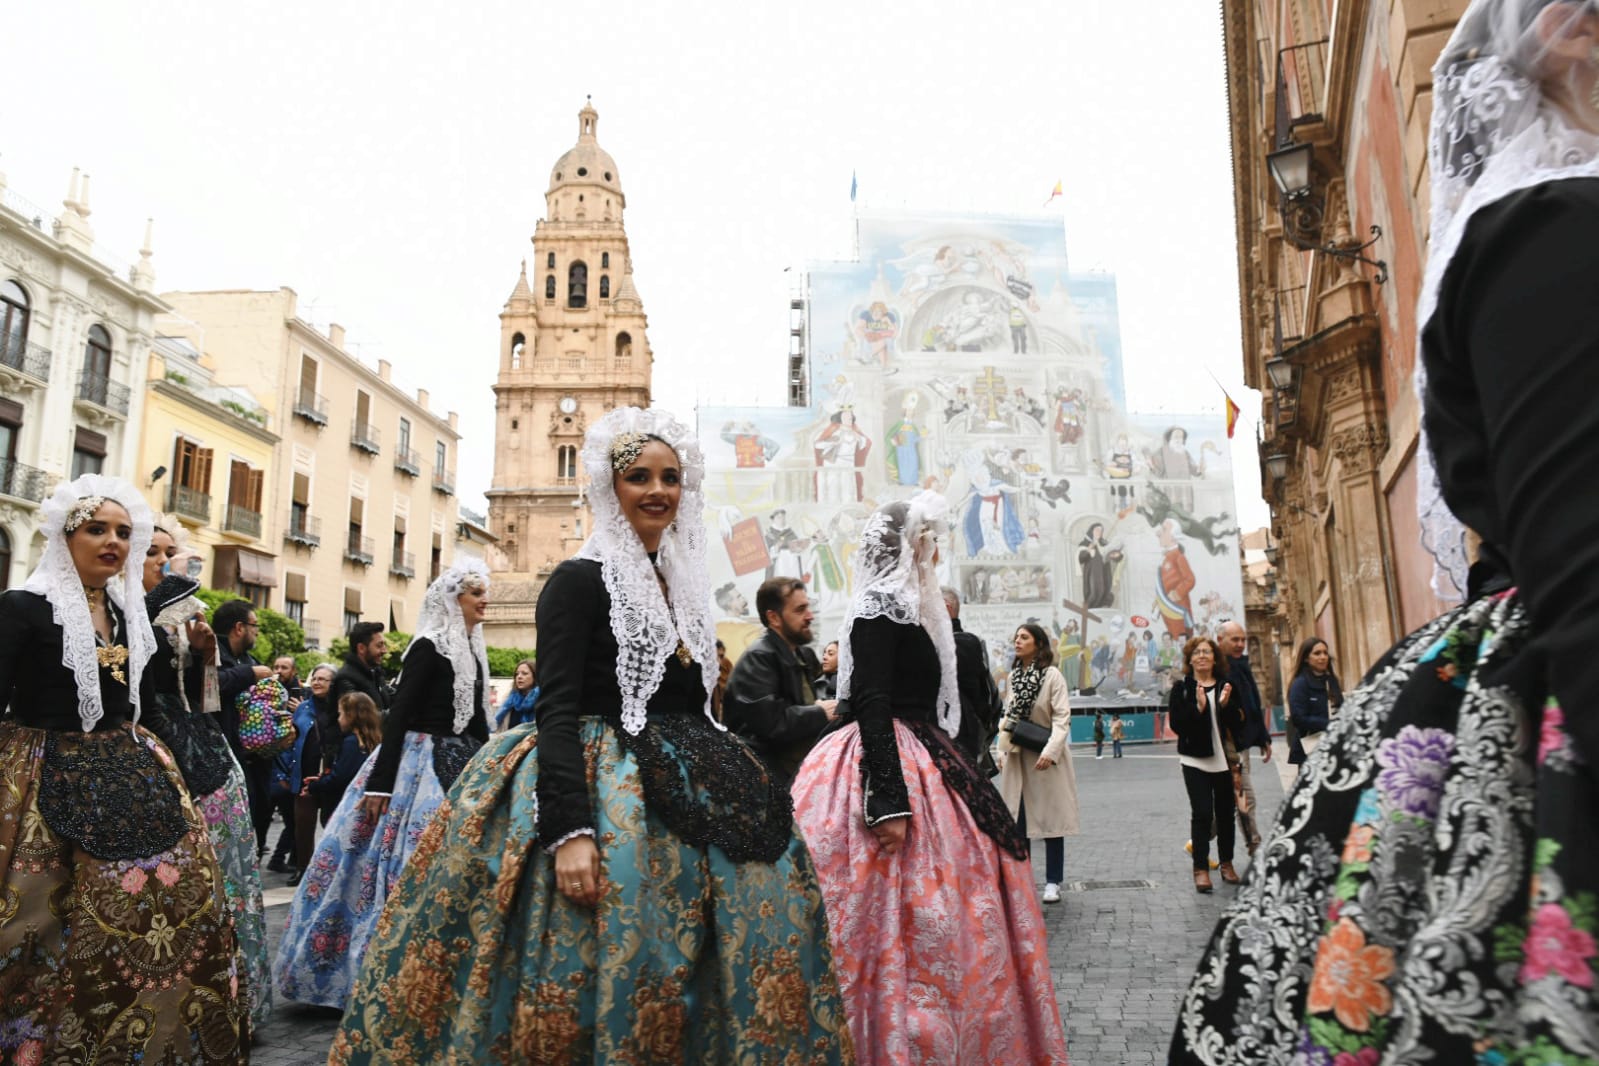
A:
1355, 84
572, 347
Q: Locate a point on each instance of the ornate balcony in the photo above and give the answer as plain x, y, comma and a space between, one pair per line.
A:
444, 482
100, 392
407, 462
27, 360
189, 503
242, 520
303, 529
358, 550
364, 435
311, 406
23, 482
403, 565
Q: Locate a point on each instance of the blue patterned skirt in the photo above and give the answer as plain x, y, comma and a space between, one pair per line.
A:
356, 865
688, 958
227, 816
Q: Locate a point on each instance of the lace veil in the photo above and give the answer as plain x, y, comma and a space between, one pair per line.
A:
891, 582
442, 623
56, 579
1512, 98
646, 628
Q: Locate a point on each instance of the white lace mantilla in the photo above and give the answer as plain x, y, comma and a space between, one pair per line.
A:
1494, 133
57, 580
442, 623
647, 629
901, 585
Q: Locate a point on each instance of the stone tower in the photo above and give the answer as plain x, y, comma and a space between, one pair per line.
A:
572, 347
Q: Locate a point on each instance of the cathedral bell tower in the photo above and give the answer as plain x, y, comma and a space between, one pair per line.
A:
572, 347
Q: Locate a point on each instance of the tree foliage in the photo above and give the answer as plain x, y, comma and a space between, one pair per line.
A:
279, 635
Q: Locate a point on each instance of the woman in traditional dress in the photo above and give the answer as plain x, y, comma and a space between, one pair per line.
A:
183, 714
621, 881
1040, 788
936, 926
1428, 894
438, 721
115, 940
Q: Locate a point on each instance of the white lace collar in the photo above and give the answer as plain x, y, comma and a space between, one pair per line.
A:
56, 579
646, 628
442, 623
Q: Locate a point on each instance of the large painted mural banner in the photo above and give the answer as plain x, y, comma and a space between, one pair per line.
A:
961, 355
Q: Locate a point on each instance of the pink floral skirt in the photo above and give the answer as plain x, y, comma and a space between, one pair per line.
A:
940, 949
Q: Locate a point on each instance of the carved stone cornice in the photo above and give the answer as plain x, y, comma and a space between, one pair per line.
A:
1360, 449
1338, 366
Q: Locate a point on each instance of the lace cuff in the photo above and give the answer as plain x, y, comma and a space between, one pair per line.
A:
551, 849
386, 795
881, 775
562, 815
879, 808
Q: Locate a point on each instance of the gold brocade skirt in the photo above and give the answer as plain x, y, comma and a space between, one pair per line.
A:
109, 961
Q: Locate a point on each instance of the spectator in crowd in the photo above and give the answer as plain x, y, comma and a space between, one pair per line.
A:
1040, 786
1201, 711
236, 628
1099, 734
283, 666
517, 707
1118, 731
724, 671
827, 681
980, 703
1313, 697
771, 698
360, 731
363, 666
1249, 728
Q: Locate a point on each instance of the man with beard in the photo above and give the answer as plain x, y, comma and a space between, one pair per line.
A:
771, 699
363, 667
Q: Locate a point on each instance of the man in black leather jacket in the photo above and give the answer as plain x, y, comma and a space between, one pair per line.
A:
236, 628
771, 698
362, 670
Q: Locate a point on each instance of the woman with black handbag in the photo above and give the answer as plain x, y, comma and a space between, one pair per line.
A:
1201, 708
1037, 779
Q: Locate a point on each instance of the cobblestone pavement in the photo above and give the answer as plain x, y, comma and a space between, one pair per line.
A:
1121, 956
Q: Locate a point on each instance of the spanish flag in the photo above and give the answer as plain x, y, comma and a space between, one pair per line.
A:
1053, 194
1232, 414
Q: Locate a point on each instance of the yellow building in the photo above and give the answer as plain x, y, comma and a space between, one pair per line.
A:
572, 347
359, 507
205, 458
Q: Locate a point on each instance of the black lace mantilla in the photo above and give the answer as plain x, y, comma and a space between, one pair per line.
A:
109, 794
982, 799
195, 740
450, 756
710, 789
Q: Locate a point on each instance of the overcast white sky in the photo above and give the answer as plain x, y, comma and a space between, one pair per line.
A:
388, 162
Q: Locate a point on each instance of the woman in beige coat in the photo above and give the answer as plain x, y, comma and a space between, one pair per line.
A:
1040, 789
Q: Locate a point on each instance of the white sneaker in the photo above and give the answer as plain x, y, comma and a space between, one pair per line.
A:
1051, 894
1099, 756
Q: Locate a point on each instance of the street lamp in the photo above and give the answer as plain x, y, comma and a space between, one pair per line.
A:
1292, 167
1277, 465
1280, 372
1271, 555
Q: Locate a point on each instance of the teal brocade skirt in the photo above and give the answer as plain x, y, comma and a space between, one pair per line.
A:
688, 958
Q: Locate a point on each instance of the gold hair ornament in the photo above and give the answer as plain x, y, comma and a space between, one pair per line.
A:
625, 449
82, 512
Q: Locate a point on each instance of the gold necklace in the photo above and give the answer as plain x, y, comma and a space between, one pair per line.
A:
684, 656
95, 596
115, 656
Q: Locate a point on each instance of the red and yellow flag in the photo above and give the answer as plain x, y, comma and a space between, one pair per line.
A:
1232, 414
1054, 193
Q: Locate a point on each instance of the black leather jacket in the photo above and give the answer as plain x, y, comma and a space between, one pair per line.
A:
764, 703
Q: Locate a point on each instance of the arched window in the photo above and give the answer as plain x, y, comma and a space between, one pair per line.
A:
566, 463
624, 347
549, 286
549, 260
605, 260
577, 285
518, 342
97, 353
5, 561
605, 286
13, 321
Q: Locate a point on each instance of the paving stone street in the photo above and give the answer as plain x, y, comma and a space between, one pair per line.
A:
1121, 955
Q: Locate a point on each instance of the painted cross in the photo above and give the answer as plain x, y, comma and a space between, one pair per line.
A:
990, 387
1083, 613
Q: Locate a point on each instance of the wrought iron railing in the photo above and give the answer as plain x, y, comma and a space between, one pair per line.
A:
103, 392
403, 565
444, 482
311, 406
303, 529
191, 503
364, 435
23, 482
242, 520
23, 355
358, 549
406, 461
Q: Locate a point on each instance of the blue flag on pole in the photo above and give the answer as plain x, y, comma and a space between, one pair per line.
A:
852, 186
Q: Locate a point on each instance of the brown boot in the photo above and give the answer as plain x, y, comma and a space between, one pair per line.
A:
1229, 874
1202, 881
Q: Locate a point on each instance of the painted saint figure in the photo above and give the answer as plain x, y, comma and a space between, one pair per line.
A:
840, 453
1174, 581
1098, 561
905, 438
992, 525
